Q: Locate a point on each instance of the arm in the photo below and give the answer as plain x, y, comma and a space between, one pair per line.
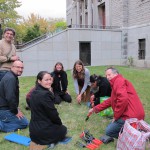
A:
2, 57
10, 94
65, 82
28, 96
121, 98
102, 106
50, 109
86, 81
76, 86
9, 56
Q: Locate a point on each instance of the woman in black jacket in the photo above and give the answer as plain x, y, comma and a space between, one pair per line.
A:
60, 84
45, 124
100, 87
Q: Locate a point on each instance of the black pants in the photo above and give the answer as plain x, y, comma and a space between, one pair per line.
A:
62, 97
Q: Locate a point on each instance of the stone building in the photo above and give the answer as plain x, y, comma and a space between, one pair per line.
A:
132, 16
100, 32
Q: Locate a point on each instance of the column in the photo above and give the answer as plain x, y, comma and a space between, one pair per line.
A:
78, 12
89, 13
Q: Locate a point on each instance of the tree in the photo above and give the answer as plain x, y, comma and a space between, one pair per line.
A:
32, 33
61, 24
56, 24
7, 10
34, 19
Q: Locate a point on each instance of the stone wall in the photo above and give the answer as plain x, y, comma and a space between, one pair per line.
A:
139, 12
64, 47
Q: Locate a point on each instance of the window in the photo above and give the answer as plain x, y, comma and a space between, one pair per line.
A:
102, 17
142, 43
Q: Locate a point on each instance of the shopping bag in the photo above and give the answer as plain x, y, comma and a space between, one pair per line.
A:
134, 135
108, 111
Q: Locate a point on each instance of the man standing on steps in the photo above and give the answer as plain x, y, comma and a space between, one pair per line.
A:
7, 51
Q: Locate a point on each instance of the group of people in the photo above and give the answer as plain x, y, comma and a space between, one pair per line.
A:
45, 126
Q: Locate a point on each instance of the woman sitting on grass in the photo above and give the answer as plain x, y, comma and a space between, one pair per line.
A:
60, 83
81, 76
45, 124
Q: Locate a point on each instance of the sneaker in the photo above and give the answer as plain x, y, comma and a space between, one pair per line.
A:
66, 140
50, 146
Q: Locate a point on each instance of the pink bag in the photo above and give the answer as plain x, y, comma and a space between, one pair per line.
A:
133, 137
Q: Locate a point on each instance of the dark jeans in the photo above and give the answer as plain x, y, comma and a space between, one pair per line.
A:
9, 122
2, 73
114, 128
62, 97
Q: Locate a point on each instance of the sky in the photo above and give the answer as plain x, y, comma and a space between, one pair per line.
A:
43, 8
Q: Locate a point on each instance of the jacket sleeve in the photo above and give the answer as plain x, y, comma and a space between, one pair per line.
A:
76, 86
121, 98
103, 87
86, 80
102, 106
10, 87
2, 57
65, 81
50, 109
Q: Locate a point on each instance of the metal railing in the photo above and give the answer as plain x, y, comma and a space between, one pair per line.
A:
93, 26
38, 39
20, 46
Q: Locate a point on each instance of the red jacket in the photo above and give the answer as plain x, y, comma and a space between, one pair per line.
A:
124, 100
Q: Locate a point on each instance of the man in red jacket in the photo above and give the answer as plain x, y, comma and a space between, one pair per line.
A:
124, 102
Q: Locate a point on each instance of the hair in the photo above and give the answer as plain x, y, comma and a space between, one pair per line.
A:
9, 29
41, 75
77, 75
94, 78
114, 70
58, 63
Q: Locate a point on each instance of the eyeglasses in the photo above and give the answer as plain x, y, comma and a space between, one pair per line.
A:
19, 67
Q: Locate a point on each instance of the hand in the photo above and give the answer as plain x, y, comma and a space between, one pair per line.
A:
113, 120
92, 98
14, 58
20, 114
91, 111
78, 98
92, 104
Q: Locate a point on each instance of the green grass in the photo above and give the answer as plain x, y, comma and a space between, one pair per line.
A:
73, 115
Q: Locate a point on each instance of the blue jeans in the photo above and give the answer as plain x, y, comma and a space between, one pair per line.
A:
114, 128
10, 122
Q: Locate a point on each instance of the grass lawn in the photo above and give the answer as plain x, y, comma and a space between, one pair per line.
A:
73, 115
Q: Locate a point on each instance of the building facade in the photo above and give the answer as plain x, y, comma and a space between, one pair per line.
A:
132, 17
100, 32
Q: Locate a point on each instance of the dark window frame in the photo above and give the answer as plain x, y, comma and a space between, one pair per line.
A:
142, 49
85, 57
